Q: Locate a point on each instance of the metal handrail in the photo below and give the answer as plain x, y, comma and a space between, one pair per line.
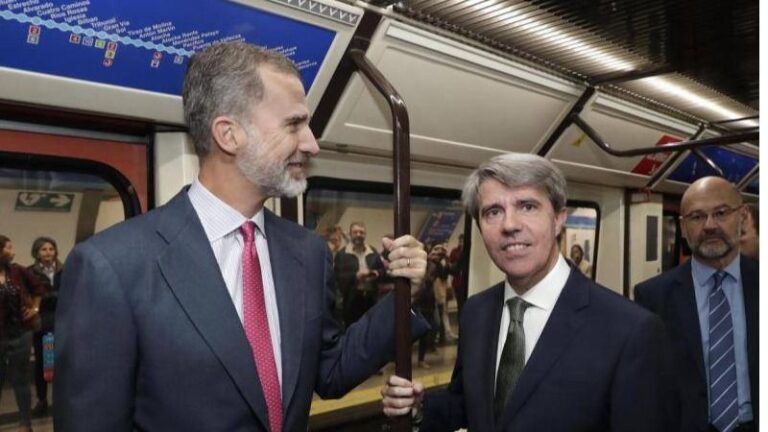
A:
704, 158
721, 140
565, 123
402, 172
747, 179
663, 170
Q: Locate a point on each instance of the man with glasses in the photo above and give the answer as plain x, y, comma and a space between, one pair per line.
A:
710, 307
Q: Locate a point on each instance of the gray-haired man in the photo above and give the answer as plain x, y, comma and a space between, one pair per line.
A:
211, 313
546, 349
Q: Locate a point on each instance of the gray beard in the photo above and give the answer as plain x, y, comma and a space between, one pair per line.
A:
274, 180
713, 252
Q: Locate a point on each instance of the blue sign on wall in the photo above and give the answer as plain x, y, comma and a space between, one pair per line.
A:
144, 44
734, 165
439, 226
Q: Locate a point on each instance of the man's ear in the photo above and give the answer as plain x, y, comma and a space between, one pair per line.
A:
224, 131
560, 218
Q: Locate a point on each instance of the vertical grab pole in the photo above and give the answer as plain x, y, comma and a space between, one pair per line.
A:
402, 195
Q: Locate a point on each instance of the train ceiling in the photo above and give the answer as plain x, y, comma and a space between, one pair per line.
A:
695, 58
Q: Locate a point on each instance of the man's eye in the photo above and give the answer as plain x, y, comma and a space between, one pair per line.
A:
720, 214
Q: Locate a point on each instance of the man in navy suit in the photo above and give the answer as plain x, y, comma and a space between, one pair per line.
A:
211, 313
546, 349
709, 303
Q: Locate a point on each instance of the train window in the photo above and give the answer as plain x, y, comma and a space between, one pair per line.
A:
68, 207
579, 239
50, 201
353, 217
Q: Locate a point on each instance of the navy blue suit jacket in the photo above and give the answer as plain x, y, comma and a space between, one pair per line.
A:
597, 366
671, 295
147, 336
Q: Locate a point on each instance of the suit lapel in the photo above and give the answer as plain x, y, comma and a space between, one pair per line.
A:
561, 327
750, 284
286, 258
189, 267
684, 298
481, 368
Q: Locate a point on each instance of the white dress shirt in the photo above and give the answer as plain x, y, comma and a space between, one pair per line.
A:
222, 227
542, 298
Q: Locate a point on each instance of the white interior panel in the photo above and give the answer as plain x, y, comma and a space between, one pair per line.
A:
465, 105
379, 169
623, 126
641, 215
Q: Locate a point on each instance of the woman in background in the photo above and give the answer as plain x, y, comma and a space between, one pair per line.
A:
46, 268
20, 293
577, 255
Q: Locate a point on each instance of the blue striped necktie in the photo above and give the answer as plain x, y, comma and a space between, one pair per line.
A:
723, 395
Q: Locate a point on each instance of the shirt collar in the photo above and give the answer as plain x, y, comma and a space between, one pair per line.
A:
544, 294
702, 273
350, 249
217, 217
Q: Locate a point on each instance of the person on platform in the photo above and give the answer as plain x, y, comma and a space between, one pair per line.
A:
358, 270
577, 256
20, 293
458, 271
47, 268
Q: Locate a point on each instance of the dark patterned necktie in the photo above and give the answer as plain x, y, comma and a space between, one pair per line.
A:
512, 355
723, 394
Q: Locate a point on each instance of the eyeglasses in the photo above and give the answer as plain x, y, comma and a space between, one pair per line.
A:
719, 215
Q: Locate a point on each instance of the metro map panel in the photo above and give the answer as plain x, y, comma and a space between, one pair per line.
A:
144, 44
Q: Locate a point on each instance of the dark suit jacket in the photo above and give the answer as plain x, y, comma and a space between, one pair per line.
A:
147, 336
671, 295
596, 367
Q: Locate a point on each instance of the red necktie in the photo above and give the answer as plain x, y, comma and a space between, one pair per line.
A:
257, 328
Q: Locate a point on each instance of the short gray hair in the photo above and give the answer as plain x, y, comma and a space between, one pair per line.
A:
515, 170
224, 79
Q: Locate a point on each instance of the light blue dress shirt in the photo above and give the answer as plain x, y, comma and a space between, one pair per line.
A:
704, 282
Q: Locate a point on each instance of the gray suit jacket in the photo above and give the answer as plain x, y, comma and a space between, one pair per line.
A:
147, 336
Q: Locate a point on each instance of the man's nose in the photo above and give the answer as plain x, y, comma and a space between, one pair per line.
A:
710, 223
308, 143
511, 222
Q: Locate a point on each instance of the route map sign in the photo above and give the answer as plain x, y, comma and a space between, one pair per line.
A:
145, 44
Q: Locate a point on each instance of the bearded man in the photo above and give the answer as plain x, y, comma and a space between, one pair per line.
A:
211, 313
710, 308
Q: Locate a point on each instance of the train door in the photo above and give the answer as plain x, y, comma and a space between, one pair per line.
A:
674, 248
59, 187
645, 237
